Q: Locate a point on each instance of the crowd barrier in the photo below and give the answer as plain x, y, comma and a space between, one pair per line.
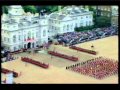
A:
6, 71
43, 65
83, 50
63, 56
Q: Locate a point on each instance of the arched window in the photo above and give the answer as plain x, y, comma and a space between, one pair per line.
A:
14, 38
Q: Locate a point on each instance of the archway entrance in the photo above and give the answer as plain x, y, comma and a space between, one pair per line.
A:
29, 45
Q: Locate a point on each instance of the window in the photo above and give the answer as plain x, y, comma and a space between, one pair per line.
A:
24, 45
81, 24
108, 15
14, 38
52, 27
32, 35
37, 34
76, 25
44, 33
90, 22
29, 35
32, 45
8, 48
44, 22
64, 27
19, 46
90, 16
86, 23
67, 27
8, 39
24, 37
71, 26
19, 37
37, 43
14, 48
4, 38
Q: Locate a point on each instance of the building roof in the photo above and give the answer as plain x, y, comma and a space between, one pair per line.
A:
16, 6
74, 10
57, 16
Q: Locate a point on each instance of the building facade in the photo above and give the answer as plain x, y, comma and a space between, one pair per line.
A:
104, 11
114, 18
67, 19
22, 31
109, 11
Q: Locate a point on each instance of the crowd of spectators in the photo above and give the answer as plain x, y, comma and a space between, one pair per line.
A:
72, 38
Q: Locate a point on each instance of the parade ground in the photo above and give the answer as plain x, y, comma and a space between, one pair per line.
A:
57, 73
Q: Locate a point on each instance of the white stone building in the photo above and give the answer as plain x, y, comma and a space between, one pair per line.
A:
22, 31
68, 18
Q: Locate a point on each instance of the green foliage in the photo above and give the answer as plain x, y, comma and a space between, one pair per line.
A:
48, 8
84, 28
5, 9
30, 8
103, 21
34, 9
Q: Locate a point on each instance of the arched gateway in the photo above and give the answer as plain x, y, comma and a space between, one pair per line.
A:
29, 45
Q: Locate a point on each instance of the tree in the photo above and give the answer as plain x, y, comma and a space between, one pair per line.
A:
30, 8
5, 9
103, 21
78, 29
49, 9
